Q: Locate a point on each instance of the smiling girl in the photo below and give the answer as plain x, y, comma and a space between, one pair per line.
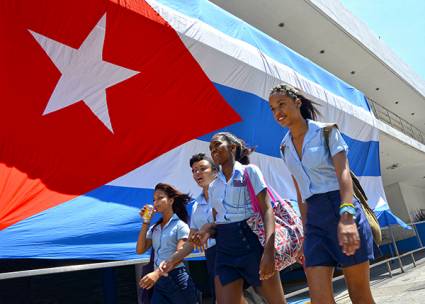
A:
240, 257
336, 230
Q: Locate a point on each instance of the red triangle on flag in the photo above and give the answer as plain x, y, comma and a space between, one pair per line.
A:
55, 146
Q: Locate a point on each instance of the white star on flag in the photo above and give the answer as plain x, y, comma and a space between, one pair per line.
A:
85, 76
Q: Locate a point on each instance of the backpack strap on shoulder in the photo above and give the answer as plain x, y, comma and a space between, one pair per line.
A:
327, 131
357, 187
282, 149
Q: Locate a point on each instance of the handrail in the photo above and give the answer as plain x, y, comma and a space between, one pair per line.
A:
394, 120
61, 269
100, 265
415, 223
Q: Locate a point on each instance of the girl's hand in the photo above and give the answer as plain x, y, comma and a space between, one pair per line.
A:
192, 234
141, 212
348, 235
199, 240
209, 228
267, 265
149, 280
300, 255
166, 266
146, 213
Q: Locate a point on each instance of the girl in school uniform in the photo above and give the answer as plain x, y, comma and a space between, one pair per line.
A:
166, 237
204, 171
336, 230
240, 257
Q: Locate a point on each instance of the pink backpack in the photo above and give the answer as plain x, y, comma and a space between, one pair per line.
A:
289, 233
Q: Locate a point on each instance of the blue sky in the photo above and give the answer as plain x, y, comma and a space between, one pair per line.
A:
400, 24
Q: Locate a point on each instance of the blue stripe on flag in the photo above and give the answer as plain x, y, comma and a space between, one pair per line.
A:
259, 129
101, 225
234, 27
363, 157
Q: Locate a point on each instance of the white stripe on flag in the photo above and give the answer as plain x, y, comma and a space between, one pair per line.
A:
173, 167
237, 64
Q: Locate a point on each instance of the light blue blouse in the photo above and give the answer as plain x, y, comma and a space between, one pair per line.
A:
201, 215
315, 172
231, 198
165, 239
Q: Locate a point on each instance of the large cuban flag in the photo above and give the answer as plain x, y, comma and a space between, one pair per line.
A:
103, 99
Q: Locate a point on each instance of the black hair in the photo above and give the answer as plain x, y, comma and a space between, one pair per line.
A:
180, 201
201, 156
308, 108
242, 150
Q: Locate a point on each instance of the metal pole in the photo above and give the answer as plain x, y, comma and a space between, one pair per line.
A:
413, 259
417, 235
389, 269
396, 249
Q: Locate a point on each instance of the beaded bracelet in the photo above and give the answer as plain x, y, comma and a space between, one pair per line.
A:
346, 205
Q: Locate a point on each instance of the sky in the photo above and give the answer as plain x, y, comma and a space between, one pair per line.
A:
400, 24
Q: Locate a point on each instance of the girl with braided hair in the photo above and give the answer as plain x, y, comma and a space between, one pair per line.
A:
240, 257
337, 232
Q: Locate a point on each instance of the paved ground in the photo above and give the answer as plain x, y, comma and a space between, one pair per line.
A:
402, 288
408, 287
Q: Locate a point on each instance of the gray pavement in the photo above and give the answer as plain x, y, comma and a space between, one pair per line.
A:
403, 288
